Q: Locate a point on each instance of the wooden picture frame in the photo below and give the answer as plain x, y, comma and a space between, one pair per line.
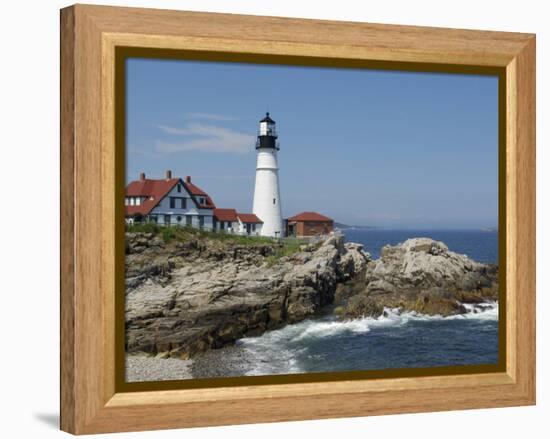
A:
91, 401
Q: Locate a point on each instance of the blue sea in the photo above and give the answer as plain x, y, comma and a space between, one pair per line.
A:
395, 340
479, 245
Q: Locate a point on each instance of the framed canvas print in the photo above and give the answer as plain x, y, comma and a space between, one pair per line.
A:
270, 219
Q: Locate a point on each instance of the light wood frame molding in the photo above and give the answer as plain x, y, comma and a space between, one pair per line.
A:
89, 36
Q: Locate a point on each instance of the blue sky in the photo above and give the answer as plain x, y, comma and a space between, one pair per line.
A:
365, 147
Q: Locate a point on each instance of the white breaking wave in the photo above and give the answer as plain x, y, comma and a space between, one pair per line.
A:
482, 311
277, 350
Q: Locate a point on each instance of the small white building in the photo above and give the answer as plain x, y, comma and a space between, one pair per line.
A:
226, 221
249, 224
169, 201
231, 221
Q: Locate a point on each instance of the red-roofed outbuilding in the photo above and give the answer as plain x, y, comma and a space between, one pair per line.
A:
229, 215
250, 224
225, 220
309, 224
249, 218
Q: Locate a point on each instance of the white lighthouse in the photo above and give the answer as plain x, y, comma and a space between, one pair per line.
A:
267, 199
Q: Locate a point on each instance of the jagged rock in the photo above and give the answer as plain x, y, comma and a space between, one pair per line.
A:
419, 275
358, 306
187, 297
422, 264
353, 260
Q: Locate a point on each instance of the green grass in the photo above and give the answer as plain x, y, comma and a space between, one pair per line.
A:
290, 246
181, 233
282, 247
143, 228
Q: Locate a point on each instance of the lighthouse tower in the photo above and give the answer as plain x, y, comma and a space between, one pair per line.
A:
267, 199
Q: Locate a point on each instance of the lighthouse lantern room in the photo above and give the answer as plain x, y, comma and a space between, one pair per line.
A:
267, 135
267, 202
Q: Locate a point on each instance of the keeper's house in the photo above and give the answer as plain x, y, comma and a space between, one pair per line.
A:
170, 201
173, 201
309, 224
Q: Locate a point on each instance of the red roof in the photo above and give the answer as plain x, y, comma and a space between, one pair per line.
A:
155, 189
197, 191
225, 214
249, 218
310, 216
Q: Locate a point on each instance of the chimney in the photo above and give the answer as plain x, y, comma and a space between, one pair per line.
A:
168, 174
142, 176
188, 179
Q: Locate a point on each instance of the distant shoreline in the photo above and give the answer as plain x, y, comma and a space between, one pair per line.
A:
343, 227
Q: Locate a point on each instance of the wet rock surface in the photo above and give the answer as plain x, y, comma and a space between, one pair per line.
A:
420, 275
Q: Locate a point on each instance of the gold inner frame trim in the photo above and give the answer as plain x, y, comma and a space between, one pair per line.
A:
116, 48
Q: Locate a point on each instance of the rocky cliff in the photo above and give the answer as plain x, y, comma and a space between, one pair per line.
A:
419, 275
188, 296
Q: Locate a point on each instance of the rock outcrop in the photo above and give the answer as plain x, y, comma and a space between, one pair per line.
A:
187, 297
419, 275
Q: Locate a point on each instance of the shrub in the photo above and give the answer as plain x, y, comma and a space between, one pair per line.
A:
168, 234
143, 228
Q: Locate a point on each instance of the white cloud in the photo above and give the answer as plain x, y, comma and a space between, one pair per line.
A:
177, 131
208, 138
209, 116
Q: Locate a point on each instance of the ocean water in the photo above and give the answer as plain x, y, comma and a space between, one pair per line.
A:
394, 340
480, 245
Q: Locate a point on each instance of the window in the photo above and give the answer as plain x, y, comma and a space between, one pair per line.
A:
201, 221
253, 227
222, 225
167, 219
126, 202
183, 203
274, 200
178, 218
179, 188
189, 220
153, 218
172, 203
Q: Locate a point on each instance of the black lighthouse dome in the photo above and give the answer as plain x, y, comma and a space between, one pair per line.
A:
267, 119
267, 135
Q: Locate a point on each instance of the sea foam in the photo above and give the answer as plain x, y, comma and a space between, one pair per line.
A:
277, 350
